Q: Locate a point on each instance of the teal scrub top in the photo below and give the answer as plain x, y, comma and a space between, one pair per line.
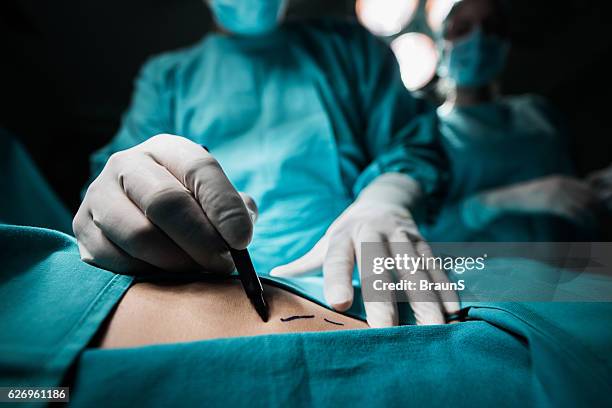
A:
301, 119
506, 354
496, 144
25, 196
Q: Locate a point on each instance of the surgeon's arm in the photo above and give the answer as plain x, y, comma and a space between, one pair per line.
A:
407, 161
563, 196
405, 168
400, 131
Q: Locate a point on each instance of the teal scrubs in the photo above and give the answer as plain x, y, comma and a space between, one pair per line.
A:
51, 304
492, 145
25, 196
506, 354
301, 119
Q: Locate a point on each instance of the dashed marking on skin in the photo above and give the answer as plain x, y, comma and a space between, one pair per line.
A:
332, 322
290, 318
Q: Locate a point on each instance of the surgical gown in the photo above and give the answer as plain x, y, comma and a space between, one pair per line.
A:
493, 145
301, 119
25, 196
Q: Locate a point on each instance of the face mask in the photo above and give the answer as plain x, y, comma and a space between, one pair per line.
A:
248, 17
476, 60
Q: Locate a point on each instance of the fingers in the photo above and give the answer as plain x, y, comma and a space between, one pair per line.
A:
310, 262
426, 305
165, 202
601, 178
338, 269
202, 175
579, 213
449, 298
127, 228
171, 207
382, 313
578, 203
97, 250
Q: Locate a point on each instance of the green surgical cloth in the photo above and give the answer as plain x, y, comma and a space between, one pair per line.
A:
51, 304
494, 145
300, 119
25, 196
508, 354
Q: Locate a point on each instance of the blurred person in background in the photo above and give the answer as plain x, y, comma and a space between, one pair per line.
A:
512, 176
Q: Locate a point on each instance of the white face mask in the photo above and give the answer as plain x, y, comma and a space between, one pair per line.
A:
248, 17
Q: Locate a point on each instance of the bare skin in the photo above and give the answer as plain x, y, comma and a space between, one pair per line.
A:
161, 313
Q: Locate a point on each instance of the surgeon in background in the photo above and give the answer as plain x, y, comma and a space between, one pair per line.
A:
309, 120
512, 177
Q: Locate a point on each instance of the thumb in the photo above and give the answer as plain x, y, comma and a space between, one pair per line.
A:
309, 262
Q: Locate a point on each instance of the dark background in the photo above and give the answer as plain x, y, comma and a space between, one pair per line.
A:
67, 66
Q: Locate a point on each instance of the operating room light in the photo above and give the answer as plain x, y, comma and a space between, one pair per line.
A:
437, 10
385, 17
417, 57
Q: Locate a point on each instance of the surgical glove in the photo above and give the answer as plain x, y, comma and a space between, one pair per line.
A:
601, 182
563, 196
166, 203
380, 214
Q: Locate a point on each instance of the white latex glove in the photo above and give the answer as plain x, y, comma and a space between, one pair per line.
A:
166, 203
563, 196
380, 214
601, 181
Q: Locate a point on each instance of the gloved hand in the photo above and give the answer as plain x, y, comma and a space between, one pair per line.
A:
165, 202
380, 214
601, 182
563, 196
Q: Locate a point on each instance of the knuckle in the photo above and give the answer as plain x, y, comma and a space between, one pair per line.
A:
159, 138
92, 194
166, 139
91, 190
116, 158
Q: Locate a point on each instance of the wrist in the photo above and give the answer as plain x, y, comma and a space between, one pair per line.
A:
392, 189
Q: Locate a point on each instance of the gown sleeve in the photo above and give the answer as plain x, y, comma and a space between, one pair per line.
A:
400, 130
149, 112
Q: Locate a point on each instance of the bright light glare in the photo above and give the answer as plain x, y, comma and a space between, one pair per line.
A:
385, 17
437, 10
417, 57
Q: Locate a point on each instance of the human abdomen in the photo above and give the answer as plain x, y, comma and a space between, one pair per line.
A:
154, 313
